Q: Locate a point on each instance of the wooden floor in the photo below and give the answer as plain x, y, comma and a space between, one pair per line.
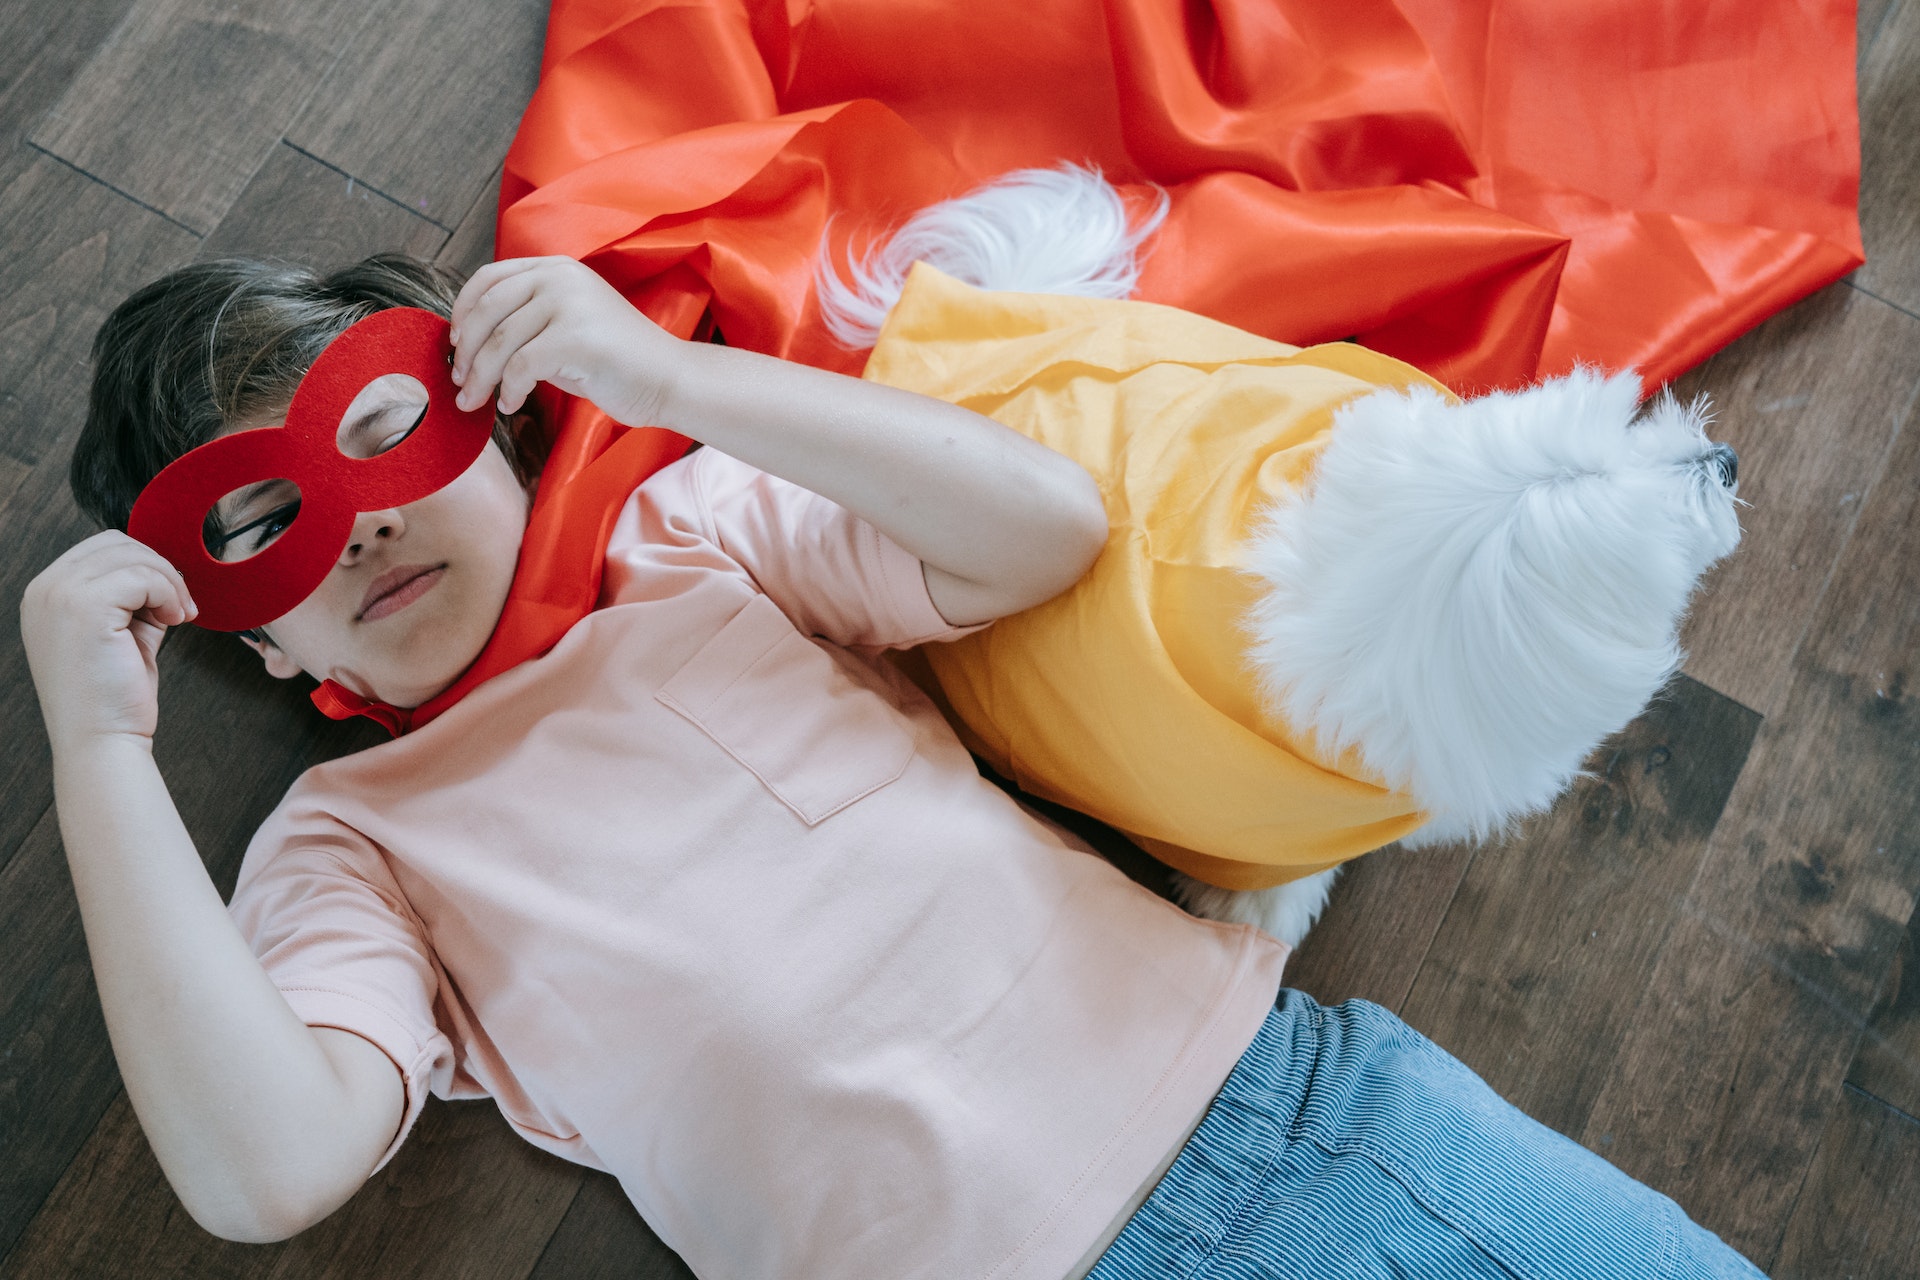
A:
1694, 965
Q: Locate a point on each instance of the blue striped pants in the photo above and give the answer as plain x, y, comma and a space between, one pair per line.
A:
1345, 1145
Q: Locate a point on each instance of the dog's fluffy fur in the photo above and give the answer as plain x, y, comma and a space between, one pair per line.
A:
1061, 230
1475, 594
1470, 595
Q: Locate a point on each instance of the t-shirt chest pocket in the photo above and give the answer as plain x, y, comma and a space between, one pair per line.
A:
779, 705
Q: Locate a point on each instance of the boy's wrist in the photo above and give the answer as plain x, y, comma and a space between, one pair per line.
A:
673, 384
83, 748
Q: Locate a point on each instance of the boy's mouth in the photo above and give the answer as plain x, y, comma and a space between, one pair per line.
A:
397, 588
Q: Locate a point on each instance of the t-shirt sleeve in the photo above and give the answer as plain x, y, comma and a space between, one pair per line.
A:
335, 935
835, 575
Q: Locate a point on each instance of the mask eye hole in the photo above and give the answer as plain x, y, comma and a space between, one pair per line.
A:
384, 413
249, 520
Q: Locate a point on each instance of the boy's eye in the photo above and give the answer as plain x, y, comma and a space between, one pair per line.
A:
255, 536
394, 438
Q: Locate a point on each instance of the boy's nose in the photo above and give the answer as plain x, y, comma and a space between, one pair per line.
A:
371, 526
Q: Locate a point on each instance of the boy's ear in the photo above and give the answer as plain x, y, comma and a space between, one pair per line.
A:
278, 663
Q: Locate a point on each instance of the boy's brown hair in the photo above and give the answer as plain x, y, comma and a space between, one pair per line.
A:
221, 344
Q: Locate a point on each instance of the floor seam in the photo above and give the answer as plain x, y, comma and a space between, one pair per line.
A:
124, 195
353, 180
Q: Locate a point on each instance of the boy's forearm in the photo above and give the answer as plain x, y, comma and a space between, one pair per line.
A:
1011, 521
253, 1120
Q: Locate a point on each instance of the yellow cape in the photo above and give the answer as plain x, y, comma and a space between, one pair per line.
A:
1127, 697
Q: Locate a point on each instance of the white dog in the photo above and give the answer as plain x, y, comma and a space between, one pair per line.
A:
1471, 595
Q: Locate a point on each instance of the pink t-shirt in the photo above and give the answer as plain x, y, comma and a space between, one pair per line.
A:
728, 911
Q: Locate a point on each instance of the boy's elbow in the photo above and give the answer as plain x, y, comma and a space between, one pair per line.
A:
1083, 529
258, 1224
242, 1225
260, 1212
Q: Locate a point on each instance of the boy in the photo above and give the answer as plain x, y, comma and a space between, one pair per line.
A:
697, 898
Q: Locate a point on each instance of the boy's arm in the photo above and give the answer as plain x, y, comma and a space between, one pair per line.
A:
1000, 522
262, 1124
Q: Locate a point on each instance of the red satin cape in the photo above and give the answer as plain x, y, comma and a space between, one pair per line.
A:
1490, 190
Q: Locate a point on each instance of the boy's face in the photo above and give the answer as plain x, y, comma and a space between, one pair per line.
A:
417, 591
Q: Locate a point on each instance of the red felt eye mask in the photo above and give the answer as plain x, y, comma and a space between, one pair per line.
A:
334, 488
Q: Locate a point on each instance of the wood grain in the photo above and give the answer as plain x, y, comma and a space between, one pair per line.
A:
603, 1238
42, 47
425, 1215
184, 101
13, 476
56, 1069
75, 249
1733, 1058
1811, 399
1522, 981
470, 247
1888, 1063
1890, 160
1380, 921
1869, 17
425, 99
1856, 1214
300, 209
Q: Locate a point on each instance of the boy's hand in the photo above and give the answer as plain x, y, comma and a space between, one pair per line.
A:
92, 622
530, 320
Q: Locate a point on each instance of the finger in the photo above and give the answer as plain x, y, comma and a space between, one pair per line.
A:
500, 302
122, 553
107, 545
507, 342
173, 575
482, 301
477, 285
148, 636
96, 559
533, 363
117, 599
155, 596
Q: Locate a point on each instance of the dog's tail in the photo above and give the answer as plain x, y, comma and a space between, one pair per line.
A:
1062, 230
1474, 595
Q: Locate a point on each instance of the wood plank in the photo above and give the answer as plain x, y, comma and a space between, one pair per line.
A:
42, 47
1380, 921
1889, 161
1521, 983
42, 520
183, 103
398, 111
1888, 1064
1857, 1213
298, 208
603, 1238
470, 247
1732, 1061
1870, 16
425, 1215
74, 250
1811, 399
13, 477
56, 1071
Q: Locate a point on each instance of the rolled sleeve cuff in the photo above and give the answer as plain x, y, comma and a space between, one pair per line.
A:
419, 1061
904, 579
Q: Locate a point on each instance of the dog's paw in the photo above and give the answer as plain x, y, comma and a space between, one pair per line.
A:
1285, 911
